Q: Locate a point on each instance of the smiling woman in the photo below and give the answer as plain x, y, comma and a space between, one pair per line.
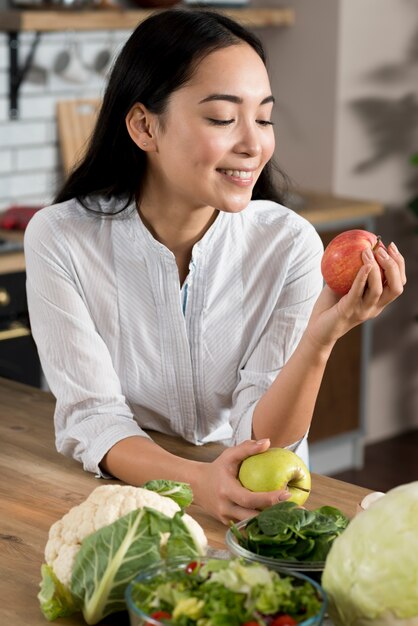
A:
168, 289
210, 148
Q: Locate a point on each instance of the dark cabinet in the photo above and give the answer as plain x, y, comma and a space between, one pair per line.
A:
18, 355
338, 407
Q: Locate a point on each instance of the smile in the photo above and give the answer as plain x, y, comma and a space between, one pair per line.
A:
237, 174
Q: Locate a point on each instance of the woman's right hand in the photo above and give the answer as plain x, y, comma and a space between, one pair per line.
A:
217, 489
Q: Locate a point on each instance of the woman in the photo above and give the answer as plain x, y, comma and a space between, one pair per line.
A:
168, 290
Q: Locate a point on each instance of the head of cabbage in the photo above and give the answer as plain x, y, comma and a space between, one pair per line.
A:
371, 572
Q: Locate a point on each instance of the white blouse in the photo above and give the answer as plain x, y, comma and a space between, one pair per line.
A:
123, 348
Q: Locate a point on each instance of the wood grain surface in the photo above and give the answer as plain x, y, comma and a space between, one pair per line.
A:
38, 486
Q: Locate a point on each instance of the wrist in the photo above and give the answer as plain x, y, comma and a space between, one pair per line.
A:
314, 349
196, 479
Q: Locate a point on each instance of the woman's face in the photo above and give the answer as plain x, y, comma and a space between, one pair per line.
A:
216, 134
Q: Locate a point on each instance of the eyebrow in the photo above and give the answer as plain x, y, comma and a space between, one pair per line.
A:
234, 99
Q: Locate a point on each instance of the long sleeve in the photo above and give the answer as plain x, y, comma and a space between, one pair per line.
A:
91, 411
281, 333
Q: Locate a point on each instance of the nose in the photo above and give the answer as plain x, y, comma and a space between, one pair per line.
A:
248, 140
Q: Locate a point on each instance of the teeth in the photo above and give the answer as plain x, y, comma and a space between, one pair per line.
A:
237, 173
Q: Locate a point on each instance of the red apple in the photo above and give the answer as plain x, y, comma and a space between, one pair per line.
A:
342, 258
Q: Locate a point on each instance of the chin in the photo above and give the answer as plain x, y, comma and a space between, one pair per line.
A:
234, 206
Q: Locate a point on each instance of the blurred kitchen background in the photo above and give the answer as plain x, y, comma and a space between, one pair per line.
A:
345, 76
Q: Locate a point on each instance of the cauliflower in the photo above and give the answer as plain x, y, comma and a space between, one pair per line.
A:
105, 505
94, 551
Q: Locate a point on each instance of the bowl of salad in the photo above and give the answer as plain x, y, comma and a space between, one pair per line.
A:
286, 536
223, 592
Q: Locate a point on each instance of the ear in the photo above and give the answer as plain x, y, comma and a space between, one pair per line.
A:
140, 124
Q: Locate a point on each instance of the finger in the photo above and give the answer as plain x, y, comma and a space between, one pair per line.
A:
374, 289
394, 286
238, 453
240, 511
360, 282
256, 499
399, 260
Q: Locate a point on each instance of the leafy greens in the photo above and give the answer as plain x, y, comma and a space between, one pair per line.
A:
224, 593
288, 532
109, 559
371, 573
179, 492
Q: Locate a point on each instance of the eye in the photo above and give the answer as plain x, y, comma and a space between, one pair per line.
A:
211, 120
265, 123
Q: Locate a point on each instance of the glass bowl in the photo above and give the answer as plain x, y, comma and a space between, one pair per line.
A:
313, 569
139, 618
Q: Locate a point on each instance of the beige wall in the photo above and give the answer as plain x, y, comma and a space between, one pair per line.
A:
339, 53
303, 70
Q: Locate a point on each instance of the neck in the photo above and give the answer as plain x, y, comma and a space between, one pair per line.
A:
174, 225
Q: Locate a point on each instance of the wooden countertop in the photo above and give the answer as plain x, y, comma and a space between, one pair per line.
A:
318, 208
38, 486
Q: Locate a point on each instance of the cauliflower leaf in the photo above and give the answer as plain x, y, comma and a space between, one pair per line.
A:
181, 493
55, 599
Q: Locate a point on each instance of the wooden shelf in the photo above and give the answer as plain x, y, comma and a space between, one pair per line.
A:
15, 20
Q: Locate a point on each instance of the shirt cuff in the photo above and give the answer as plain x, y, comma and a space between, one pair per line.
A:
107, 440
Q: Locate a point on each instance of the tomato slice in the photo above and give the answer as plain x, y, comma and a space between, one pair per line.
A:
284, 620
158, 615
190, 568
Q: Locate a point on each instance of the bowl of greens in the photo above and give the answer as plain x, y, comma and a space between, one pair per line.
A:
221, 592
286, 536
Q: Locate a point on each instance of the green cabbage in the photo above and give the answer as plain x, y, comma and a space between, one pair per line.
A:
371, 572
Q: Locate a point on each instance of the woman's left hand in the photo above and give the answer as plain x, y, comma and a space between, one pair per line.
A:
332, 316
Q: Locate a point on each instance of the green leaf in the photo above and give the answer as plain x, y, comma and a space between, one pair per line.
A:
111, 557
180, 541
286, 531
179, 492
414, 159
54, 597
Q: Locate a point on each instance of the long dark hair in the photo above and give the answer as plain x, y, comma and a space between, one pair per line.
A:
158, 58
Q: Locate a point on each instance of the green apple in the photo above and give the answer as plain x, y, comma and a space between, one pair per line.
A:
277, 468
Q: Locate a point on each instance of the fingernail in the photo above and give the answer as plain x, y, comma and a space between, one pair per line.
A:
368, 253
382, 254
260, 442
393, 247
284, 496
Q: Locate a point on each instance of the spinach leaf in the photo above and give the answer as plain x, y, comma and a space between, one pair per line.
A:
287, 532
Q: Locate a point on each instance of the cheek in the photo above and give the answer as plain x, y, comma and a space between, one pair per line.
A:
208, 149
268, 147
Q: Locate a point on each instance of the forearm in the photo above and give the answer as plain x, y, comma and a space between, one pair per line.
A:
284, 412
135, 460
